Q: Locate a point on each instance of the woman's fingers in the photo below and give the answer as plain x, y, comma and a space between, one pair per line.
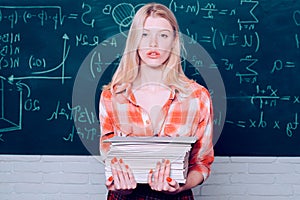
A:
150, 175
156, 172
167, 175
122, 175
125, 174
114, 172
122, 178
162, 171
174, 185
167, 169
158, 176
109, 183
161, 176
131, 177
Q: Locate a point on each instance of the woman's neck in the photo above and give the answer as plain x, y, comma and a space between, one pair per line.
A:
150, 74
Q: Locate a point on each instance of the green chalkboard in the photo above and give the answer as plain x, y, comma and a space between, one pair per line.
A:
56, 55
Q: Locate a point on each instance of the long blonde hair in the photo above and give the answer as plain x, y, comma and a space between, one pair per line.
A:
128, 69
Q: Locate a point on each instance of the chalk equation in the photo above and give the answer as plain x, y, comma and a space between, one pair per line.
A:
261, 122
77, 114
266, 97
296, 18
41, 15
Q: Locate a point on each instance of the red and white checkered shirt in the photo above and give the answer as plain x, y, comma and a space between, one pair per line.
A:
190, 115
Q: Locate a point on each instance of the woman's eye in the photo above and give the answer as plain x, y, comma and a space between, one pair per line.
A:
164, 35
145, 34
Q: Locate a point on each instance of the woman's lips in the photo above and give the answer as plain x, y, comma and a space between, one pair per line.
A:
153, 54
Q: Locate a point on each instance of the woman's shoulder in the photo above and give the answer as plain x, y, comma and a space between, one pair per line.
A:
119, 94
198, 89
106, 94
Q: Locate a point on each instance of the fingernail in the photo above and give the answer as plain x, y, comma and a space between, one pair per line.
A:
126, 166
151, 171
167, 162
110, 178
169, 179
121, 160
112, 161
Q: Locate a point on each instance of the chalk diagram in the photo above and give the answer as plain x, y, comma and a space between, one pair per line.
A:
12, 92
122, 14
39, 75
10, 121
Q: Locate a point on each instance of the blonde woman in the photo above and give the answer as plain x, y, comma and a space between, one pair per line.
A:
149, 95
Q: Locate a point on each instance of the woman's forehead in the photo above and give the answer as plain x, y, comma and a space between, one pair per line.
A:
157, 23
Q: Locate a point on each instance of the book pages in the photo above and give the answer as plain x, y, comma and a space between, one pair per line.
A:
142, 153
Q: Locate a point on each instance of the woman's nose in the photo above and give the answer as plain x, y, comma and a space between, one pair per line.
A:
153, 41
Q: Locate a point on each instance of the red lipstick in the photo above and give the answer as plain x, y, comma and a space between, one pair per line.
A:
153, 54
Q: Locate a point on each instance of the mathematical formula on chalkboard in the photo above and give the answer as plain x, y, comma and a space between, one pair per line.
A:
51, 52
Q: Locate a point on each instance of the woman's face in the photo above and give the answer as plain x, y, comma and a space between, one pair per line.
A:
157, 41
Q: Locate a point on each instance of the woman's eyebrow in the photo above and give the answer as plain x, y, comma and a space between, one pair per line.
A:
146, 29
166, 30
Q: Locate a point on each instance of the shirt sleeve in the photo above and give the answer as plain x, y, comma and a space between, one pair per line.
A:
202, 153
105, 118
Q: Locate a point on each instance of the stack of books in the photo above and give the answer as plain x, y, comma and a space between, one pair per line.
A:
142, 153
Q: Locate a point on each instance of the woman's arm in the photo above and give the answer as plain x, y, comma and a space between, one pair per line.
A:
193, 179
202, 153
122, 179
105, 118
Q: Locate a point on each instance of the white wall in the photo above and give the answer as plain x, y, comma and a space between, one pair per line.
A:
81, 177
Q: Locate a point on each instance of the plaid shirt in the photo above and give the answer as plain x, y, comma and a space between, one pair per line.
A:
182, 115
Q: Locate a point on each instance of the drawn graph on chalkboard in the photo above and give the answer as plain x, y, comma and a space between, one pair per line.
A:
42, 62
61, 66
10, 115
14, 16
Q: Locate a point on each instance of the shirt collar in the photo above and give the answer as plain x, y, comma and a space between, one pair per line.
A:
124, 90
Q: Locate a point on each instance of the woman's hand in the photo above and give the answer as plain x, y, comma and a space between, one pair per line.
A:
160, 180
122, 179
